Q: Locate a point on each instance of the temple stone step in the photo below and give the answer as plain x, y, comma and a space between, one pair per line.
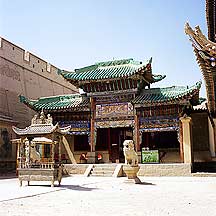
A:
72, 169
99, 175
103, 170
204, 174
105, 165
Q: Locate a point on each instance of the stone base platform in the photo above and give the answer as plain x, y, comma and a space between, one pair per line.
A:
131, 173
174, 169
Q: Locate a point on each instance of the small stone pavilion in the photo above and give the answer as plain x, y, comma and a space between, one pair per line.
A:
118, 103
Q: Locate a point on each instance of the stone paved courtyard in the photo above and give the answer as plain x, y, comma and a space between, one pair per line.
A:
80, 195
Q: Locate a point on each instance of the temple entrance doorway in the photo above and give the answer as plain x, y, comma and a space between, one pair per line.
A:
166, 142
112, 139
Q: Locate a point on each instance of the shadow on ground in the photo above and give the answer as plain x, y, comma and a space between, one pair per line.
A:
147, 183
78, 187
7, 176
62, 187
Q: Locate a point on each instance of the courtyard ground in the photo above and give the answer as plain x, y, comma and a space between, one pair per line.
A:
80, 195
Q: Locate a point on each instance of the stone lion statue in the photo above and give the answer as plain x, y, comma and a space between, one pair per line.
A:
131, 156
35, 155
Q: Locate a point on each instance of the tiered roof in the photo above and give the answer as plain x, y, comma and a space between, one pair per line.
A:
111, 71
72, 102
112, 77
147, 97
169, 95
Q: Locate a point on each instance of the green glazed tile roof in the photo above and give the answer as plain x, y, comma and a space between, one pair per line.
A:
157, 78
108, 70
149, 97
65, 102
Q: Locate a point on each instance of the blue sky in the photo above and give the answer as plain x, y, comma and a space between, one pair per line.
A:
71, 34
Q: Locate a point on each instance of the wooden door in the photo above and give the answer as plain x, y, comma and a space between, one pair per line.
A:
114, 139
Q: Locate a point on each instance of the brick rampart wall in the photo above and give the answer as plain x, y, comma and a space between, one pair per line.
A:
21, 72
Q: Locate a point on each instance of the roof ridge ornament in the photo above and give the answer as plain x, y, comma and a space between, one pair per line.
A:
200, 41
205, 52
42, 119
150, 60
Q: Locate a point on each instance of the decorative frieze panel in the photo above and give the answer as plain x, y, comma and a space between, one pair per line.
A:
114, 124
162, 110
159, 129
157, 123
160, 124
114, 109
77, 127
115, 98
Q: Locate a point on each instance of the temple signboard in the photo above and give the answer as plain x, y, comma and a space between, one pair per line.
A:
150, 156
114, 109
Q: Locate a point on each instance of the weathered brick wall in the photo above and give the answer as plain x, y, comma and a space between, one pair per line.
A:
31, 76
20, 113
200, 131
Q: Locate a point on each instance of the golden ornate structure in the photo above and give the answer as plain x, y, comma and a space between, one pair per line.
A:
36, 159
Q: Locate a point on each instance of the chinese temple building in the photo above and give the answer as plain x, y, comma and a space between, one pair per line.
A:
118, 103
205, 52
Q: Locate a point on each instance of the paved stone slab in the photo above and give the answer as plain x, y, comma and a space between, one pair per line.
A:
81, 196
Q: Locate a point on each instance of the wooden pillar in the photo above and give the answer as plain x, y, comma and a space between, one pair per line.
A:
181, 151
187, 139
93, 138
53, 147
136, 131
91, 155
52, 151
211, 127
29, 150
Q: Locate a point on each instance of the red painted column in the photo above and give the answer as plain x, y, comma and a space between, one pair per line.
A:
137, 138
93, 138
